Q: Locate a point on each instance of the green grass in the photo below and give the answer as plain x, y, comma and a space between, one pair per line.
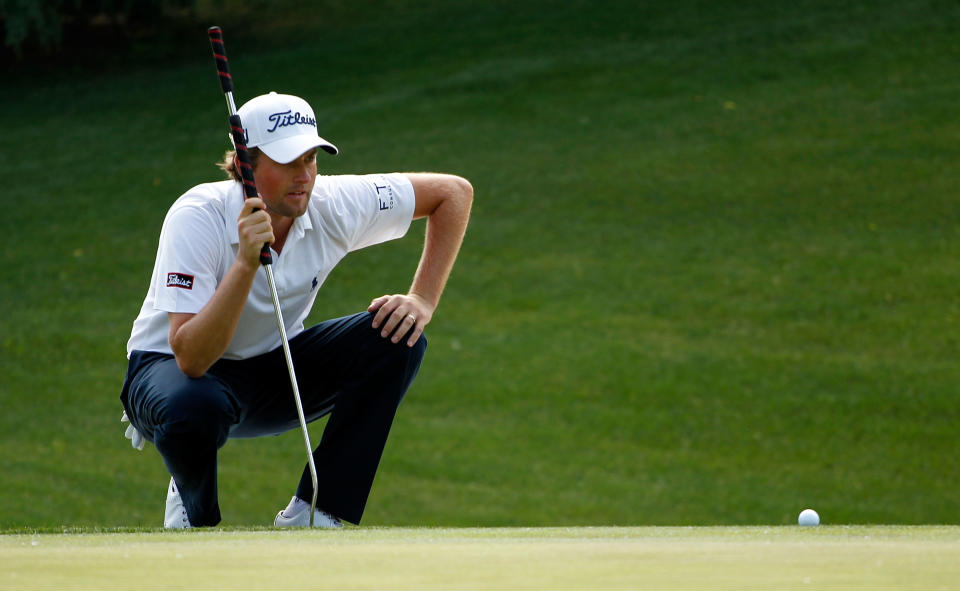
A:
875, 558
710, 277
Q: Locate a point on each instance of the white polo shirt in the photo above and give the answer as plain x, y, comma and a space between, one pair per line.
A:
199, 243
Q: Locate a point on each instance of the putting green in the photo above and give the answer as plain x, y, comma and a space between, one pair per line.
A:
825, 557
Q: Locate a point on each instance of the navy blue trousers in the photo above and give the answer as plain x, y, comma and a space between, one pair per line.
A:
344, 368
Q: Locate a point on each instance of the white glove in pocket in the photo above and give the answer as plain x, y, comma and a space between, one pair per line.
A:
136, 439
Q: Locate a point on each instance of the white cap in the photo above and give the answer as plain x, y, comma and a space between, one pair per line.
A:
282, 126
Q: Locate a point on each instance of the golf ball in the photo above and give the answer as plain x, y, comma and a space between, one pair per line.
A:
808, 517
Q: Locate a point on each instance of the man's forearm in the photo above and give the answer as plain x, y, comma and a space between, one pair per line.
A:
446, 227
202, 339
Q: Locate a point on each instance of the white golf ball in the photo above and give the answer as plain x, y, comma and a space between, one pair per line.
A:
808, 517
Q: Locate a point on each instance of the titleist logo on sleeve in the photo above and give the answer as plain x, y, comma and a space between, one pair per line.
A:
290, 118
181, 280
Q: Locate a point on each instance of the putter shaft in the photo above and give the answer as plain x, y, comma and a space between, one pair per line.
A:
296, 389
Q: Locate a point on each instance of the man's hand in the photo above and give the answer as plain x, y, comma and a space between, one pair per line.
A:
254, 229
399, 314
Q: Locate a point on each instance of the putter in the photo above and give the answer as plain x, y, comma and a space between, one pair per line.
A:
266, 259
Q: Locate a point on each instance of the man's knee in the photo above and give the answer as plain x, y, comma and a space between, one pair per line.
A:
198, 410
203, 405
419, 348
402, 353
404, 363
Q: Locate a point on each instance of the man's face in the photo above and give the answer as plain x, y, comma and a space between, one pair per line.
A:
285, 188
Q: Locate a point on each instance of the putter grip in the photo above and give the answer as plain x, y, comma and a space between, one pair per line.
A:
220, 56
246, 174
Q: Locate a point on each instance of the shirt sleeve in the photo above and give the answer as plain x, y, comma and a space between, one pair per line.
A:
380, 206
188, 260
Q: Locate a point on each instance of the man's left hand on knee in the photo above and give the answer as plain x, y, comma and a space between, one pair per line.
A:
401, 314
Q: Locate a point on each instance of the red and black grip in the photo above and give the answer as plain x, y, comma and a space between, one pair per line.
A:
243, 156
220, 56
236, 127
246, 173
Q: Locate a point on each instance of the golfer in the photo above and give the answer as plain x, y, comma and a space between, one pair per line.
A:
206, 362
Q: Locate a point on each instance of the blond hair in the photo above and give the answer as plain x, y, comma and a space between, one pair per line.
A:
227, 164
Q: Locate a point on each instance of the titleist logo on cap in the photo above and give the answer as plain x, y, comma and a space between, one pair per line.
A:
181, 280
288, 117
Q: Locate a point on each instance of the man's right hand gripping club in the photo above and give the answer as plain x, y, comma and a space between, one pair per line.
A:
255, 229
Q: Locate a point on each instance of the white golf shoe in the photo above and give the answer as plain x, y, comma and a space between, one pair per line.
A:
176, 514
297, 514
